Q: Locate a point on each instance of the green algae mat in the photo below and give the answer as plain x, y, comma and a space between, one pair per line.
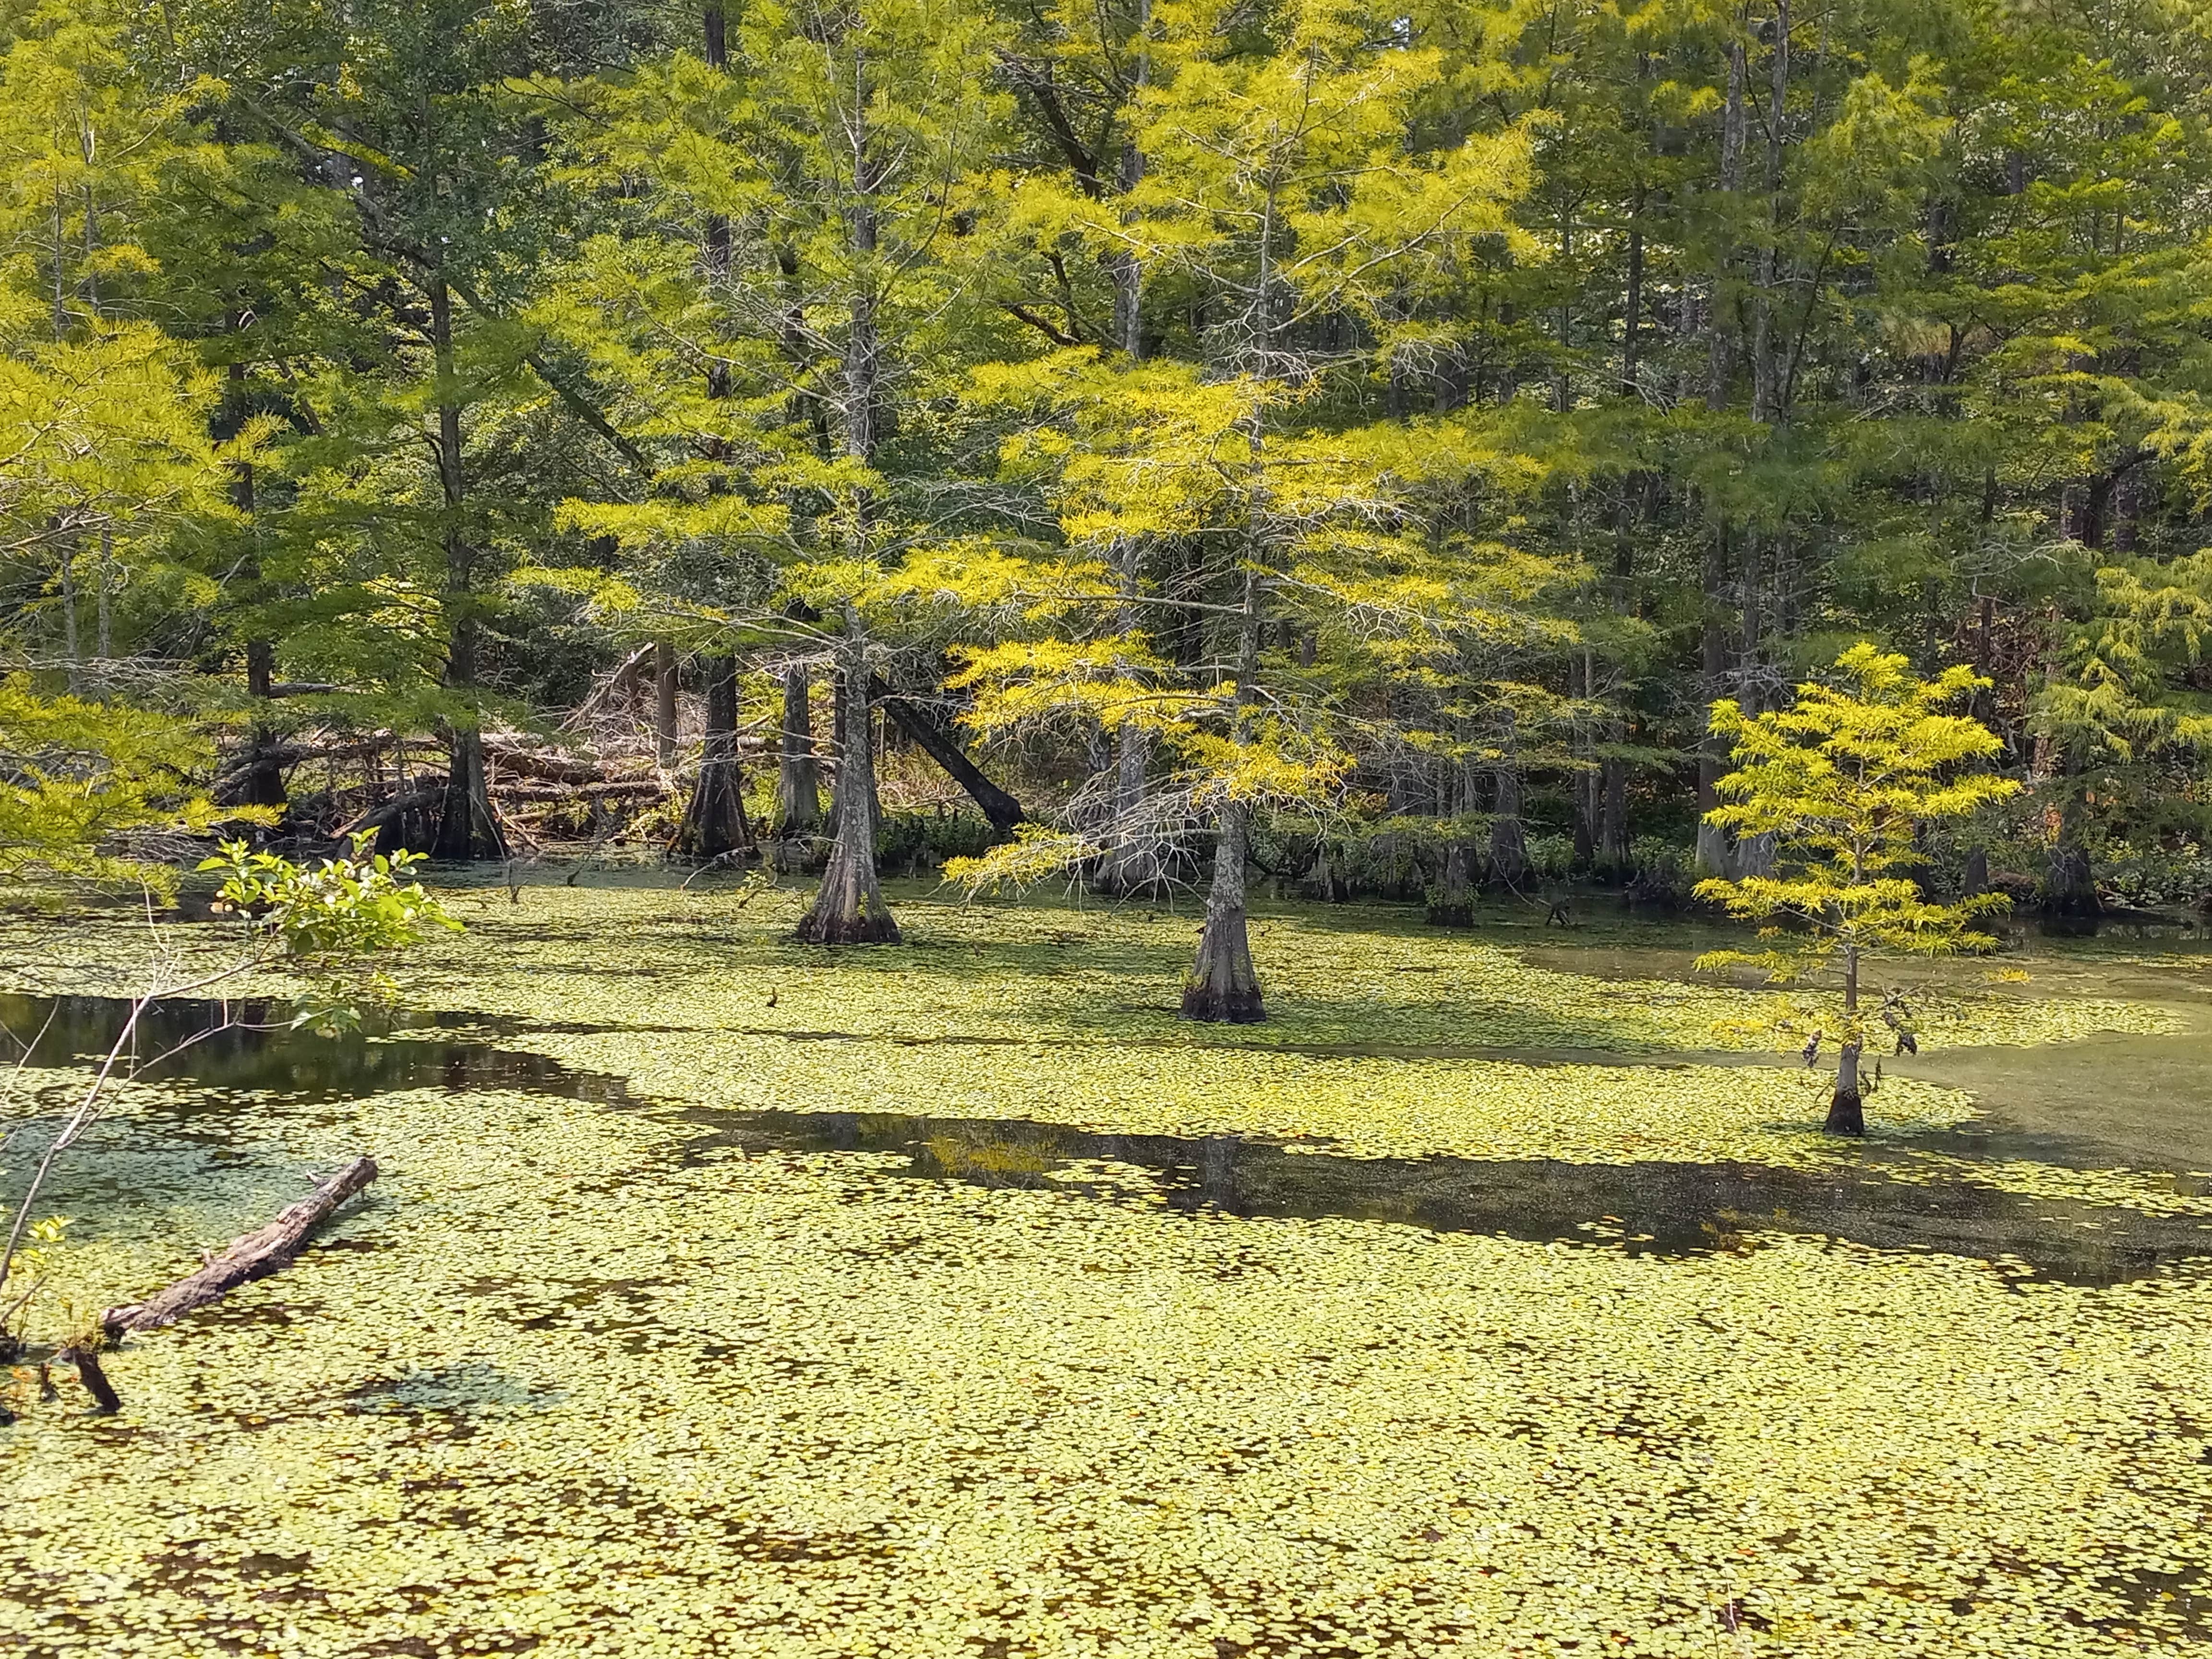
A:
725, 1297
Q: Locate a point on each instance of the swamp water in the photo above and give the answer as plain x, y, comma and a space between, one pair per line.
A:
681, 1322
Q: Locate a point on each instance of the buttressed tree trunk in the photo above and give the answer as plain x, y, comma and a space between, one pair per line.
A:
1222, 986
1453, 906
1846, 1114
714, 824
849, 908
798, 774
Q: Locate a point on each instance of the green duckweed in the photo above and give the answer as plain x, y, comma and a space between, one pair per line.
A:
568, 1384
576, 1381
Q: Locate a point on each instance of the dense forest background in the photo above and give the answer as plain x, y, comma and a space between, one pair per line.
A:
1078, 438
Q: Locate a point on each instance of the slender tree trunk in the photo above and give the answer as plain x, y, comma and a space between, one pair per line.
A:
798, 774
715, 823
264, 785
1129, 273
1132, 864
849, 908
1766, 355
468, 827
663, 705
1509, 836
1712, 844
1719, 341
1587, 808
103, 638
1845, 1114
1632, 301
1222, 986
70, 648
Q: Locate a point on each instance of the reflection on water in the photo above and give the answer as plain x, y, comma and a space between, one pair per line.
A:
2140, 1100
247, 1046
245, 1059
1661, 1209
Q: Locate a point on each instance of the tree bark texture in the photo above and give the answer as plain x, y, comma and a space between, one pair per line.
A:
1509, 836
1223, 987
798, 771
467, 826
663, 705
1133, 863
850, 907
249, 1256
715, 823
1846, 1116
1453, 904
1712, 851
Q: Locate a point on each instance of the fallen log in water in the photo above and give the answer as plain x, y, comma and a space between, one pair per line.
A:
249, 1256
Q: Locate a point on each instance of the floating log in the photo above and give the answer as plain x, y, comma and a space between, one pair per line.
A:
249, 1256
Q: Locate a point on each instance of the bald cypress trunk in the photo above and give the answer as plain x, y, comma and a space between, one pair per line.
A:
715, 823
467, 826
1222, 986
1453, 904
799, 775
849, 908
1845, 1114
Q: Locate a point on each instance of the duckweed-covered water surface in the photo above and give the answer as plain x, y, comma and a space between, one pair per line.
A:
725, 1296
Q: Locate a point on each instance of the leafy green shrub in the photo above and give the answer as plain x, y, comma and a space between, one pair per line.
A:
1660, 869
915, 840
2156, 878
1551, 858
341, 910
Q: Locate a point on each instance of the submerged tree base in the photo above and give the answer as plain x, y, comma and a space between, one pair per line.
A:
880, 927
1222, 988
1235, 1007
1846, 1116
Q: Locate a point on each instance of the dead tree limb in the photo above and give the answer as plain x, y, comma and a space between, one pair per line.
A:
249, 1256
926, 727
89, 1373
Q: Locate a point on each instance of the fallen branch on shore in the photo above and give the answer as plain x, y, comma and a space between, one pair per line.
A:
249, 1256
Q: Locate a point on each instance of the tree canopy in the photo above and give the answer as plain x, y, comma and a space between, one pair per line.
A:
1357, 446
